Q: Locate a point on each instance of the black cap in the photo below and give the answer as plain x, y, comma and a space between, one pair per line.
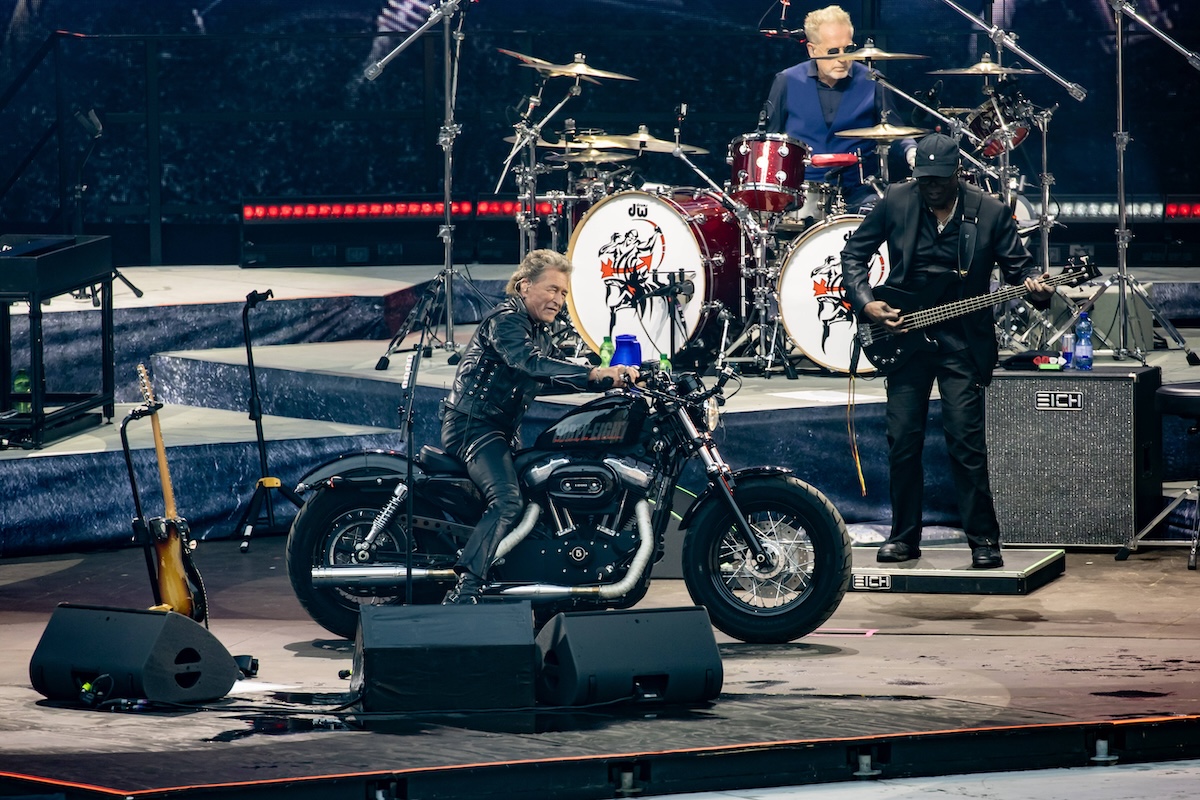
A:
937, 156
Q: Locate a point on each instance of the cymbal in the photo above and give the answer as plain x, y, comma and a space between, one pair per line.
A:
796, 34
559, 145
954, 111
883, 132
642, 140
868, 52
592, 155
576, 69
985, 67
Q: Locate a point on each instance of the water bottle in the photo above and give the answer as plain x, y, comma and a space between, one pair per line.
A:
1083, 342
606, 351
664, 363
21, 385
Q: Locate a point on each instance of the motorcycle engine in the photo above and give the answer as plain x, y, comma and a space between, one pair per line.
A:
586, 503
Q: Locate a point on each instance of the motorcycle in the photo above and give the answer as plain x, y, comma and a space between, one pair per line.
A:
765, 553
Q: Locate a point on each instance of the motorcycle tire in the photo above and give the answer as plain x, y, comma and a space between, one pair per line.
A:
324, 533
810, 553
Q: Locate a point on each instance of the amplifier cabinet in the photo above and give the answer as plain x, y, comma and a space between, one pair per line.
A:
1075, 457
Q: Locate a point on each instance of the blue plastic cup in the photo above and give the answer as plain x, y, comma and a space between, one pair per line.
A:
628, 351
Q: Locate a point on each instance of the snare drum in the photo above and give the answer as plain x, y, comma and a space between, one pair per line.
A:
812, 297
652, 266
821, 200
767, 170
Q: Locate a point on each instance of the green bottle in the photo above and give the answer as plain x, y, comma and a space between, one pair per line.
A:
664, 363
607, 348
21, 386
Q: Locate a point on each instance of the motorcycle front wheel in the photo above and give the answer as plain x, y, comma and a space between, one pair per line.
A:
325, 533
810, 561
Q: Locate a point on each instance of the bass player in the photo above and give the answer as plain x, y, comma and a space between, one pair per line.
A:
944, 237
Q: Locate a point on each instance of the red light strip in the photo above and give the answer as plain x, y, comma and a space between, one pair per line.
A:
398, 209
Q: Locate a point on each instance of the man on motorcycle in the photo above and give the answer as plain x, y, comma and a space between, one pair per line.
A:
508, 361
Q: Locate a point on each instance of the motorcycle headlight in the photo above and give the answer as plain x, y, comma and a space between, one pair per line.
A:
712, 413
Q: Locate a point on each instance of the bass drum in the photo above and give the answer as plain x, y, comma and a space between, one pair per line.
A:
655, 266
812, 297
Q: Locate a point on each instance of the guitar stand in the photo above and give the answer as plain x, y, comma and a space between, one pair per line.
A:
261, 501
142, 527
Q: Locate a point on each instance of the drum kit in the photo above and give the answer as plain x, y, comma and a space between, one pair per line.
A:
748, 270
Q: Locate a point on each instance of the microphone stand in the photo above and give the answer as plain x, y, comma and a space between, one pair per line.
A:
1120, 10
444, 13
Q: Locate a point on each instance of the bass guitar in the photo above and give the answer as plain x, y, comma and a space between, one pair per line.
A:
889, 349
178, 584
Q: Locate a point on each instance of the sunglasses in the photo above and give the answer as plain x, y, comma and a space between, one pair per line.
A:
837, 51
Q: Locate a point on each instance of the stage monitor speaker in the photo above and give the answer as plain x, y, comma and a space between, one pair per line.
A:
1075, 456
129, 653
666, 655
445, 658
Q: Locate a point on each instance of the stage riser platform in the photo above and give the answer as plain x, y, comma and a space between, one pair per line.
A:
83, 501
72, 339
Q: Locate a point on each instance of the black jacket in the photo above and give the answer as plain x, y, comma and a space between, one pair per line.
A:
509, 360
895, 220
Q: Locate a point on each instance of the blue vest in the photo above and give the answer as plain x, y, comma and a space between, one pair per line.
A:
806, 122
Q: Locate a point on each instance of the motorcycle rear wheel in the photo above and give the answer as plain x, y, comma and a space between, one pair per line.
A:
810, 552
325, 532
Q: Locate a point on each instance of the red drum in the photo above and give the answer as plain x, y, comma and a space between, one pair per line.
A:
999, 126
768, 170
812, 297
651, 266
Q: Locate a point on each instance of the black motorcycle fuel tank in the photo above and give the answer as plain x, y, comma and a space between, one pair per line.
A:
606, 423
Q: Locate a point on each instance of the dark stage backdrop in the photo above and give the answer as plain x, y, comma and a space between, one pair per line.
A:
207, 102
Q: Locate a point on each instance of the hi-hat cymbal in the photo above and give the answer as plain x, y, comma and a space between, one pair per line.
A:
591, 155
985, 67
882, 132
642, 140
576, 69
868, 52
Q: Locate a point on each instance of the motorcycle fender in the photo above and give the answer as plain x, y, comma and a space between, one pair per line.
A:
707, 495
368, 464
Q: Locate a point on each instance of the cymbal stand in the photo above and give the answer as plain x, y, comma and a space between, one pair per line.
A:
955, 127
527, 137
1002, 38
444, 13
770, 340
1124, 236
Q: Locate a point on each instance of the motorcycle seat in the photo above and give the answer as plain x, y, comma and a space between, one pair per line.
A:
435, 459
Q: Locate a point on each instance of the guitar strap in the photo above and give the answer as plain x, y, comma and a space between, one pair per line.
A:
968, 230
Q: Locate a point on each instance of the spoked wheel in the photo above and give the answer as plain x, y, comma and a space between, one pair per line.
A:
805, 577
326, 532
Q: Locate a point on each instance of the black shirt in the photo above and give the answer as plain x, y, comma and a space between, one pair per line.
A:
935, 273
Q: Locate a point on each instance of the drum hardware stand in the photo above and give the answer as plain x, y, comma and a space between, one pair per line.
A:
261, 501
760, 238
444, 13
1126, 282
527, 136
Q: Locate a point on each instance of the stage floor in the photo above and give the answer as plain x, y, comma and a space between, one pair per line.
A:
1107, 642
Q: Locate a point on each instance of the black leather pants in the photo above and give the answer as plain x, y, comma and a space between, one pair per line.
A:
487, 453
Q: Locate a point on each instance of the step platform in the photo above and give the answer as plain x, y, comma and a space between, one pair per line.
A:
947, 570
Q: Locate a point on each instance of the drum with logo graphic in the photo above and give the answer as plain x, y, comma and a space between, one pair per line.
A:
812, 297
657, 267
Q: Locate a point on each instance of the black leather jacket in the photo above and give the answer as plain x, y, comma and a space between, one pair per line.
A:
509, 360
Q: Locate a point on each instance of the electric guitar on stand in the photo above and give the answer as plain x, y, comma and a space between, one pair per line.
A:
174, 577
889, 350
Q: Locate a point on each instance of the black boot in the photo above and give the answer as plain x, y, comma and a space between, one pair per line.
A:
466, 592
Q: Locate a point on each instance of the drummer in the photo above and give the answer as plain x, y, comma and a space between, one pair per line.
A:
814, 99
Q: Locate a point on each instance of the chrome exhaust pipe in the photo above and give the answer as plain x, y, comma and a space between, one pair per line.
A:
378, 575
